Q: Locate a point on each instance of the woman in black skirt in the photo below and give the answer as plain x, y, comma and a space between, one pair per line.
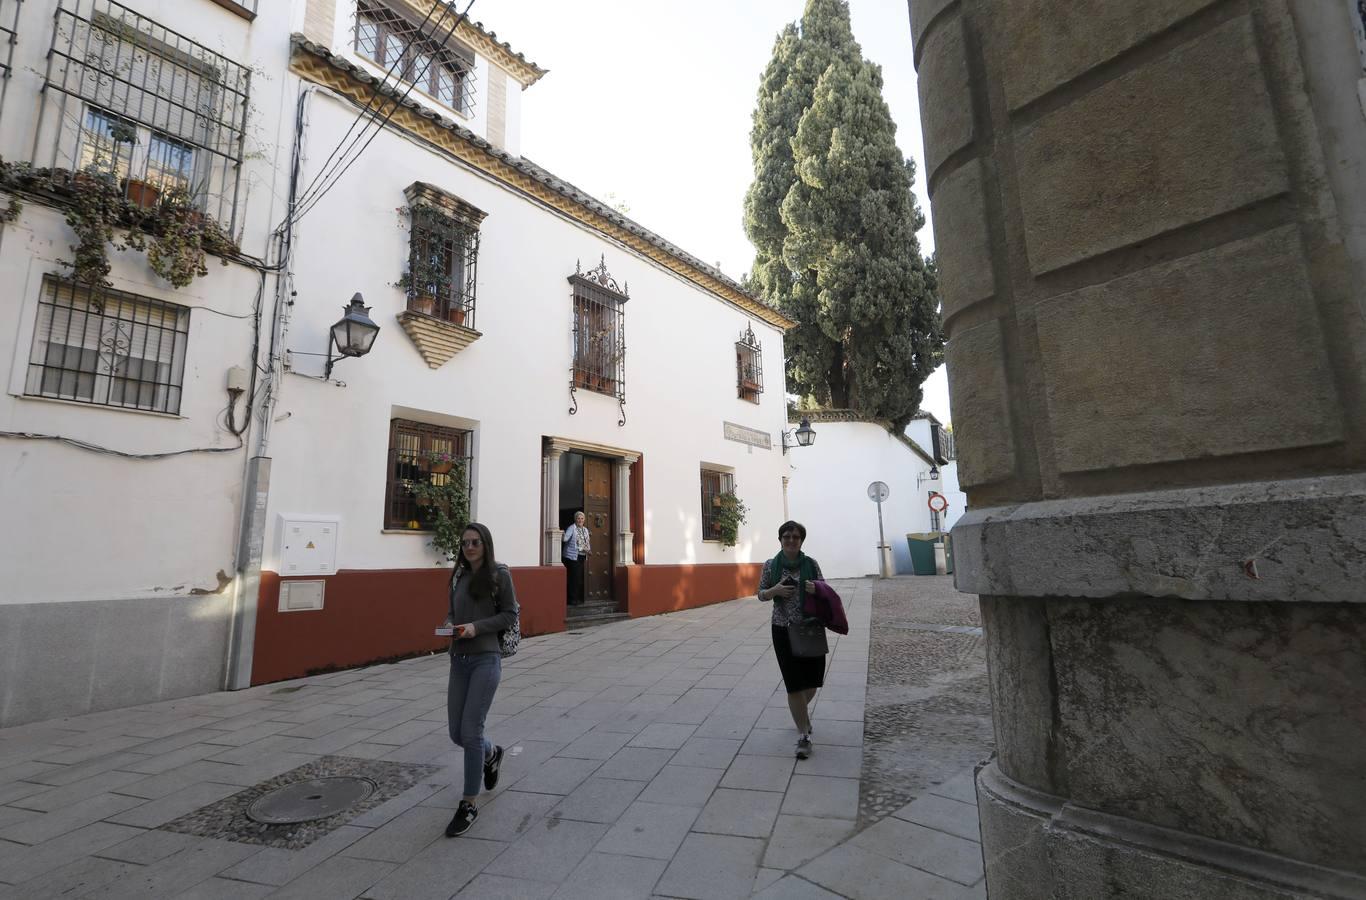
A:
786, 580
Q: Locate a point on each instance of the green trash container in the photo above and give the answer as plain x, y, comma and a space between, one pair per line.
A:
921, 545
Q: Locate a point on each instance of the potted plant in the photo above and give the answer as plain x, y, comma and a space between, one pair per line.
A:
456, 314
729, 516
449, 508
440, 462
141, 194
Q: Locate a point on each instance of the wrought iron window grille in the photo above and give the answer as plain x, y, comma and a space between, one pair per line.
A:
131, 101
443, 72
419, 452
9, 34
107, 348
943, 445
714, 484
598, 336
749, 366
443, 255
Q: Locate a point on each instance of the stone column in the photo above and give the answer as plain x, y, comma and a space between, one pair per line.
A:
1151, 227
622, 493
550, 504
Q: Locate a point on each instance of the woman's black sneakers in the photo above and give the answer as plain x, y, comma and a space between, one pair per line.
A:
491, 766
465, 814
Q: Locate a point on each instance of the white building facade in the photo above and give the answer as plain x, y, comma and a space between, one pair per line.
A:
567, 357
829, 481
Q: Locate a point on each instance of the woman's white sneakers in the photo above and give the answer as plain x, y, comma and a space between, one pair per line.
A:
804, 746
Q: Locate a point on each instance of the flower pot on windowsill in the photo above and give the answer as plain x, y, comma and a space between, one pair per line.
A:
140, 193
456, 315
442, 468
423, 501
422, 303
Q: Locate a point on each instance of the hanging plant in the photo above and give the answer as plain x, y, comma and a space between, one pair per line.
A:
175, 234
449, 502
730, 514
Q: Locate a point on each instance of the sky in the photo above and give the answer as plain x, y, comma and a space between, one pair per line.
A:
647, 103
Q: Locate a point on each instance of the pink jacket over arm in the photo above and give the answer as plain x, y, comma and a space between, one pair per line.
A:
825, 605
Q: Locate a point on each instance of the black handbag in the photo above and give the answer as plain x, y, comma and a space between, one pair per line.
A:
807, 638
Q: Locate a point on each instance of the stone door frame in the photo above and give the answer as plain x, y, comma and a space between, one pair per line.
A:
552, 448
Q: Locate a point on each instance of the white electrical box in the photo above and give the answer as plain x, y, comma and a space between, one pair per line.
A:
308, 545
298, 596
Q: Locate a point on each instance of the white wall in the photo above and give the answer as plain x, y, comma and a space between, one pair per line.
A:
828, 494
919, 431
512, 385
76, 525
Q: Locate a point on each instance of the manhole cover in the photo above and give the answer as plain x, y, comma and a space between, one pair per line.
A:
305, 801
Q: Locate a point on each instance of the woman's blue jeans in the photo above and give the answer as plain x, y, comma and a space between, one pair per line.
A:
474, 680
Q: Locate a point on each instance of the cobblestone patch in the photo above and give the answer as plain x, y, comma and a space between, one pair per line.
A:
227, 819
928, 712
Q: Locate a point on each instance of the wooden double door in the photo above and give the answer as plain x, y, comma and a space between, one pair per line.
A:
586, 484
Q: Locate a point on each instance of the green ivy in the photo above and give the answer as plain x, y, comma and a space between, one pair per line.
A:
175, 235
729, 516
449, 502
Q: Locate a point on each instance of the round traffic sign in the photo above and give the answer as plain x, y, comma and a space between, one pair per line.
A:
878, 491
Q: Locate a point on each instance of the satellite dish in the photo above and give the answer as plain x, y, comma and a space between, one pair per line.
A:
878, 491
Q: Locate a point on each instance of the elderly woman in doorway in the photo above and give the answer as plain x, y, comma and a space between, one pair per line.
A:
483, 599
786, 580
576, 548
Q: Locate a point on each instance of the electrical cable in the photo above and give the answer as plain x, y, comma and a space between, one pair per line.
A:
307, 205
96, 448
313, 192
378, 95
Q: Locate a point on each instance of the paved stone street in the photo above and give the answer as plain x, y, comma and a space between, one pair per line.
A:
929, 713
653, 758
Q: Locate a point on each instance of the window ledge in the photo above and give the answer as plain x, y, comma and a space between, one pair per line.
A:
405, 531
435, 339
237, 9
102, 406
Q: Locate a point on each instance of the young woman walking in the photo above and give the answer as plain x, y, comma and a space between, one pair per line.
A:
483, 599
786, 580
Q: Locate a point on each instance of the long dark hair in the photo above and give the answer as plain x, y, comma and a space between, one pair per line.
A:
481, 583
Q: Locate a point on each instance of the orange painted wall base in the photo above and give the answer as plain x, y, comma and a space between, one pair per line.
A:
370, 615
650, 590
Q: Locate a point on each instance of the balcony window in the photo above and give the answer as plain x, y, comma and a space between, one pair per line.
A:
749, 366
127, 99
427, 61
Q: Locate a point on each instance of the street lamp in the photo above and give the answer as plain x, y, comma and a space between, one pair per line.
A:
933, 476
354, 334
806, 435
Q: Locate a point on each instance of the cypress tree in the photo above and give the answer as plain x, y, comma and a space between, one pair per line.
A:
833, 222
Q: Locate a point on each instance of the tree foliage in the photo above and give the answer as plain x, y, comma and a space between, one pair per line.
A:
833, 222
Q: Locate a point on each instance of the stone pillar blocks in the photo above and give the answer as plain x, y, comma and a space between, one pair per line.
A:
1151, 227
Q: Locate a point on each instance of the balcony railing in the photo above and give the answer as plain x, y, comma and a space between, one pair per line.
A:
9, 36
126, 99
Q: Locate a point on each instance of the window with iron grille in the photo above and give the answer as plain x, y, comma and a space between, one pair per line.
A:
443, 250
944, 447
422, 452
714, 484
599, 332
108, 348
749, 366
389, 40
132, 101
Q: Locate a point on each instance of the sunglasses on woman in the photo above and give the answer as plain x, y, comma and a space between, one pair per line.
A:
472, 542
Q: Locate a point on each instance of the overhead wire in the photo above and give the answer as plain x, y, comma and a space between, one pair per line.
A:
395, 104
377, 95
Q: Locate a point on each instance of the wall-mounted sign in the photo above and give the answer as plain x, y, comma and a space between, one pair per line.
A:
742, 435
